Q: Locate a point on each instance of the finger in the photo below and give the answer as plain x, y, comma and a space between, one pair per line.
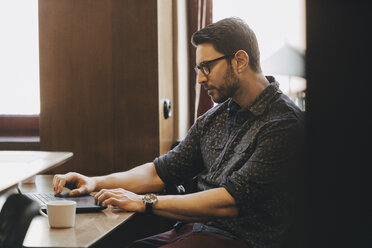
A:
102, 191
99, 193
56, 180
60, 185
111, 201
105, 195
60, 181
55, 183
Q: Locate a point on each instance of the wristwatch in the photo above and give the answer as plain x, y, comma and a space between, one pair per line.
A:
149, 200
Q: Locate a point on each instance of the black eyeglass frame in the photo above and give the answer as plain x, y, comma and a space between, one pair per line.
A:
205, 64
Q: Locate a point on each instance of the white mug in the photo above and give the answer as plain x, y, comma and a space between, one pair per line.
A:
61, 214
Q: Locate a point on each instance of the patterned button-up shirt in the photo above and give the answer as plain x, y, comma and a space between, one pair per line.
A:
249, 152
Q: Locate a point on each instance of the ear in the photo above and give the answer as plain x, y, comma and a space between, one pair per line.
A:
242, 61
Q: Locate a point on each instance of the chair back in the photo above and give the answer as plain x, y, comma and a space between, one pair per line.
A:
15, 218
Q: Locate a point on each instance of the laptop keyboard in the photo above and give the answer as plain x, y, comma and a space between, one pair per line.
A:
42, 198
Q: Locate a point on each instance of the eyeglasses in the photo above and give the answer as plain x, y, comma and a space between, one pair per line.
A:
204, 66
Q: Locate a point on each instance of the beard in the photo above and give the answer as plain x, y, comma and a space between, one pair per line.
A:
228, 89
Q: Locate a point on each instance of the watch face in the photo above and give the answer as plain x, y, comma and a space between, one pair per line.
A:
150, 198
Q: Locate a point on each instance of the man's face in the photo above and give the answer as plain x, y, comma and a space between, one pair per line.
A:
221, 82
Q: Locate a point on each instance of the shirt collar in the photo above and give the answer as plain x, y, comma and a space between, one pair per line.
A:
232, 107
258, 106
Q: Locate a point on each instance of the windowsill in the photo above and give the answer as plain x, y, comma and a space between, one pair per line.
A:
21, 139
20, 143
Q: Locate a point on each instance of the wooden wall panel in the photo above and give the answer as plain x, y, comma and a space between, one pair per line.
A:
75, 82
135, 78
99, 83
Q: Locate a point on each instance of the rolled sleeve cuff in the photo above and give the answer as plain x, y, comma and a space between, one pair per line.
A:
236, 193
160, 167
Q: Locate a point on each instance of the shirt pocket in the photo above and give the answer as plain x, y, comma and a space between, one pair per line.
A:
217, 143
213, 151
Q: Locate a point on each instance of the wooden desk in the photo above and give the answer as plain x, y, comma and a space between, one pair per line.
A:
89, 227
16, 166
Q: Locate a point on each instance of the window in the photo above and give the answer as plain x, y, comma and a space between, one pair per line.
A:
280, 30
19, 68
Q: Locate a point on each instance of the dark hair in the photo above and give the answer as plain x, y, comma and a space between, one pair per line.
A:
228, 36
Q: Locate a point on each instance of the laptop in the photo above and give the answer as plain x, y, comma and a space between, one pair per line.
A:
84, 203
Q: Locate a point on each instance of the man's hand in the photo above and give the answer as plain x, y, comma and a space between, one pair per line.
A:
121, 198
79, 184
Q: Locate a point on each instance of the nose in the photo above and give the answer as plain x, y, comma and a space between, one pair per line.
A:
201, 78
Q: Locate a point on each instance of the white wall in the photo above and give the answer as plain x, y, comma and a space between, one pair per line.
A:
275, 22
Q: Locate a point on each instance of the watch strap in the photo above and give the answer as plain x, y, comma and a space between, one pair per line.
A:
148, 207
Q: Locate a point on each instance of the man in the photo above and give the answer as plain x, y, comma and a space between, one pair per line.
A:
241, 152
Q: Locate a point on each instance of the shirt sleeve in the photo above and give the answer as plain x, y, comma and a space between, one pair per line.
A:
183, 162
266, 174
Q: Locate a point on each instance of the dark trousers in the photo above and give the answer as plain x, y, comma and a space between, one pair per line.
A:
184, 237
